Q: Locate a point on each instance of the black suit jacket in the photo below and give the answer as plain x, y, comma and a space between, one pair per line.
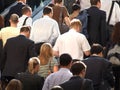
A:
75, 83
17, 9
30, 81
97, 26
99, 70
16, 54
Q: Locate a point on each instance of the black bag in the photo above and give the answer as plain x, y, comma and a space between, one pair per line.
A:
62, 25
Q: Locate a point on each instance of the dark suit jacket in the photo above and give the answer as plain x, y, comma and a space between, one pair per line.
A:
30, 81
16, 54
17, 9
99, 70
75, 83
97, 26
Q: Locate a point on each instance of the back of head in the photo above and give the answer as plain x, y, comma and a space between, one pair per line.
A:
75, 23
96, 49
14, 84
65, 59
78, 67
32, 63
58, 1
94, 2
47, 10
57, 88
75, 7
14, 18
25, 29
24, 1
26, 9
1, 22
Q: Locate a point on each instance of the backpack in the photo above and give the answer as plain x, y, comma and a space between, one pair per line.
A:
114, 55
83, 17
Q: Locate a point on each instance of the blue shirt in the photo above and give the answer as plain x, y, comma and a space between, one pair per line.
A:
57, 78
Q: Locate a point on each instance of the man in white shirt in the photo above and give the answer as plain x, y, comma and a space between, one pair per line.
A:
106, 6
45, 29
60, 76
25, 19
72, 42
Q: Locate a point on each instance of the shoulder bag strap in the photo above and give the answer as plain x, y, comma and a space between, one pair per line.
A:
25, 21
82, 86
111, 9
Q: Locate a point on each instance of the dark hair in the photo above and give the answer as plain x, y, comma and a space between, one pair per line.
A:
65, 59
96, 49
47, 10
57, 88
57, 1
116, 33
77, 67
1, 22
51, 5
75, 7
94, 2
26, 9
25, 29
14, 84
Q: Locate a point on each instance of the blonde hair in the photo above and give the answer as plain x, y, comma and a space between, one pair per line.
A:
46, 53
32, 63
75, 23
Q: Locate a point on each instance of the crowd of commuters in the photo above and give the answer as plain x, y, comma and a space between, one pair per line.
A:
41, 55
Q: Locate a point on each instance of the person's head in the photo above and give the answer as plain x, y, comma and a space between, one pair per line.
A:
76, 9
51, 5
48, 11
33, 65
1, 22
97, 49
65, 60
14, 18
116, 33
96, 3
60, 2
76, 24
14, 84
24, 1
78, 68
57, 88
26, 10
25, 30
46, 52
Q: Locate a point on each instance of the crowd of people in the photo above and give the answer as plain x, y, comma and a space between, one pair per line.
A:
55, 52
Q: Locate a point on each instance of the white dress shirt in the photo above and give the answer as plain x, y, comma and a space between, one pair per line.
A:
22, 19
44, 30
73, 43
57, 78
106, 5
85, 4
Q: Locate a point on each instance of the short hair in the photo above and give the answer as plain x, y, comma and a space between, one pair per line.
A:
14, 18
14, 84
58, 1
65, 59
75, 22
94, 2
51, 5
47, 10
26, 9
96, 49
57, 88
25, 29
75, 7
77, 67
32, 63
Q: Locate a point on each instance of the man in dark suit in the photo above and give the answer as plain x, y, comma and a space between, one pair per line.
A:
17, 9
16, 54
30, 79
77, 82
96, 24
99, 70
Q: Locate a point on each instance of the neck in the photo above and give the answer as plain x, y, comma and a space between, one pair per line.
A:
13, 25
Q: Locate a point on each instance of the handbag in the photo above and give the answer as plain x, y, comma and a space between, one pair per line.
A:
62, 25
